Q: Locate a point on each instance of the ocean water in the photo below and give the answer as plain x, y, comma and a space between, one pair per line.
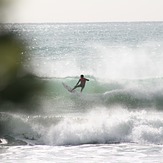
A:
118, 118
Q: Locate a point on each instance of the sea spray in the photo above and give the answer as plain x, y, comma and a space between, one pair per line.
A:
102, 126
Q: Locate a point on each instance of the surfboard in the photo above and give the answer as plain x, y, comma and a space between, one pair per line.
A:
68, 88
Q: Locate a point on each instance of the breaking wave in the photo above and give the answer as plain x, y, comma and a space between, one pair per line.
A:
113, 112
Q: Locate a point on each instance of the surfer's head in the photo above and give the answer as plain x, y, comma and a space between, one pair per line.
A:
82, 76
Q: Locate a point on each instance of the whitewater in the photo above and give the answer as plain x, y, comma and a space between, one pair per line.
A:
118, 118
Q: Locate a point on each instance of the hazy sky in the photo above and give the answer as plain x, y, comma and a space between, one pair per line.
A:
87, 10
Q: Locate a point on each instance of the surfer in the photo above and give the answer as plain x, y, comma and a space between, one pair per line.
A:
81, 83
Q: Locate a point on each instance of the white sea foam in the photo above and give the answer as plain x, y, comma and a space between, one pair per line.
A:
107, 126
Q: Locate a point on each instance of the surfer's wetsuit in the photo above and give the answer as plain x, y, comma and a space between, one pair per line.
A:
82, 82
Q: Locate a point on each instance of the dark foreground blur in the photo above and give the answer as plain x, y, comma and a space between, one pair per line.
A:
18, 87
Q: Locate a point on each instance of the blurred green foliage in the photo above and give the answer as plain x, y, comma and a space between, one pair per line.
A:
17, 86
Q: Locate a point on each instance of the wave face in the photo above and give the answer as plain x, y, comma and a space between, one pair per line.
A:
122, 102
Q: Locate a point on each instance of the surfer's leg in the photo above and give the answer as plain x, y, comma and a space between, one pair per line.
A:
82, 89
76, 87
73, 88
